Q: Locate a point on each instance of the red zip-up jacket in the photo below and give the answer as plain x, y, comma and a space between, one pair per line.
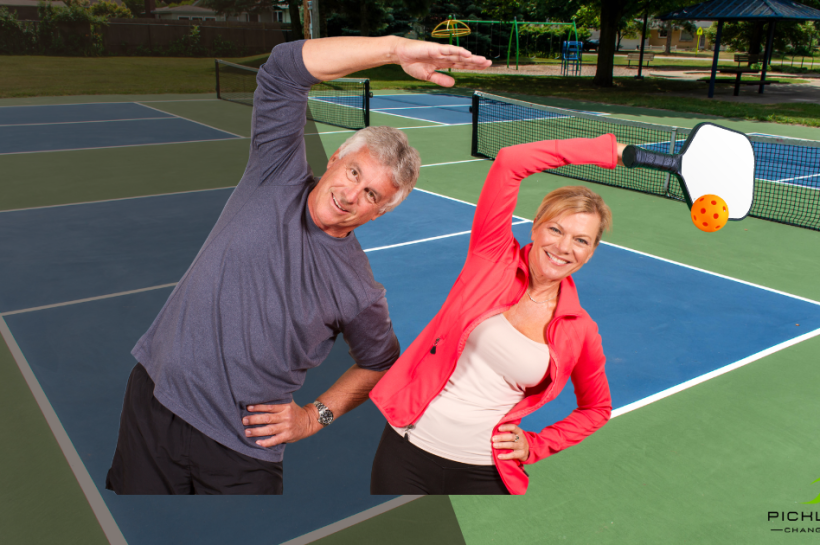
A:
494, 278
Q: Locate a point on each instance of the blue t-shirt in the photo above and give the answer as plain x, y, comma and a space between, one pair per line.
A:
268, 292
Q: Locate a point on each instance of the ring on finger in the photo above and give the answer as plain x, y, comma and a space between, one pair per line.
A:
516, 438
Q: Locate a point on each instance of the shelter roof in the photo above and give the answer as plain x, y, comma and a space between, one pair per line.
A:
744, 10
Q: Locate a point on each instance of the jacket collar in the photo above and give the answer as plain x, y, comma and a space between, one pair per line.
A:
568, 303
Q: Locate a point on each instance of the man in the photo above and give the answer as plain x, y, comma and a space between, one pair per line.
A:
210, 406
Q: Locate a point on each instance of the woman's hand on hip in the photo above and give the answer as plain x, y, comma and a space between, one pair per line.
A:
514, 441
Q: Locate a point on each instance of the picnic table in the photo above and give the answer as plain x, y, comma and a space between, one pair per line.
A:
739, 72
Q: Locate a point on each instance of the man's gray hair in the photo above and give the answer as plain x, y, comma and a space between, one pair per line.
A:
391, 149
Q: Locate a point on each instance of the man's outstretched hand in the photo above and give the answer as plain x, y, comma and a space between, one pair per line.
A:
336, 57
285, 423
421, 60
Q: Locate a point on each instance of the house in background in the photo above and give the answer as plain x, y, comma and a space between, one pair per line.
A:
681, 38
196, 12
657, 34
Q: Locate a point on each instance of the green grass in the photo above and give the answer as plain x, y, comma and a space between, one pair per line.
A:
26, 76
647, 93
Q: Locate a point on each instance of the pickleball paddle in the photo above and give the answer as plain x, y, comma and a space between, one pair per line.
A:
714, 160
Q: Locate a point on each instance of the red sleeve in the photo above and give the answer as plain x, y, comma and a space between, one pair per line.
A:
492, 234
594, 404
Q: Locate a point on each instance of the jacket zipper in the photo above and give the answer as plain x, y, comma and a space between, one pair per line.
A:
460, 347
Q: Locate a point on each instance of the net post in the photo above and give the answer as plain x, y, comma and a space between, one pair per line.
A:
216, 63
474, 139
672, 142
367, 103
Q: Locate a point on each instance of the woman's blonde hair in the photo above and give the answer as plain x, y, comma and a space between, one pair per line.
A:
574, 199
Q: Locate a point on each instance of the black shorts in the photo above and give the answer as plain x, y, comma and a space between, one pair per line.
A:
159, 453
402, 468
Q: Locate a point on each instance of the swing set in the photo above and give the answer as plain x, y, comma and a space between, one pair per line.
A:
455, 29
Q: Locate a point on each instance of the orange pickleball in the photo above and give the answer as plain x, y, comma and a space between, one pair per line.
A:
710, 213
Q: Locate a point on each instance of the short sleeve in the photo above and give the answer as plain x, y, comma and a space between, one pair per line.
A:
370, 336
279, 108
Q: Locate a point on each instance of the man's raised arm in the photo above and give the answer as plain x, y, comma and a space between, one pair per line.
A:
331, 58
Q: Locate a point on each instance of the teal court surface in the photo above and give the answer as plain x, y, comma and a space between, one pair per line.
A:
709, 341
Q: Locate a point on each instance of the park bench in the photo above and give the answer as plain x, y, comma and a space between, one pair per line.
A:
741, 58
647, 57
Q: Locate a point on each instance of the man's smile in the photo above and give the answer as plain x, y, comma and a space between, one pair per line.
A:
336, 203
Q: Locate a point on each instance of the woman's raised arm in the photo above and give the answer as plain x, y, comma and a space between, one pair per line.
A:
492, 230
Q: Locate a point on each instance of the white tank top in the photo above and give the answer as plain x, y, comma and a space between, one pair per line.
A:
497, 365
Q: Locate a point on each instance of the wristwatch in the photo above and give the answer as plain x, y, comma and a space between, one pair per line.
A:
325, 414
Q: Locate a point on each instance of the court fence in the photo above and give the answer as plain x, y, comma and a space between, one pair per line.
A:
220, 38
787, 171
144, 37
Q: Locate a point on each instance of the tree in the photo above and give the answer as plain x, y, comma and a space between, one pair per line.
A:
612, 13
750, 36
107, 9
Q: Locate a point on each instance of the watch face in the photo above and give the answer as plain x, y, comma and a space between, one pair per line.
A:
325, 414
325, 417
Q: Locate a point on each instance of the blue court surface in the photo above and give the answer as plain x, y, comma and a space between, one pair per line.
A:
662, 324
28, 129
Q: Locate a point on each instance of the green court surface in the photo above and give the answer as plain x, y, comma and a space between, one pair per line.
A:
703, 466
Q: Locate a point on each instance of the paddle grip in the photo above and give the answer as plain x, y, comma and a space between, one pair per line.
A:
633, 156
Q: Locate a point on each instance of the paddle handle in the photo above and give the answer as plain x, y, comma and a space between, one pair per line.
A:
633, 157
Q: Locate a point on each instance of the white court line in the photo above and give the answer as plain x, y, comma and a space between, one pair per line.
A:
161, 286
180, 100
220, 188
421, 107
468, 97
128, 145
454, 162
82, 122
58, 105
315, 535
114, 102
698, 269
87, 299
115, 200
191, 120
92, 494
522, 220
428, 239
712, 374
785, 181
397, 128
413, 118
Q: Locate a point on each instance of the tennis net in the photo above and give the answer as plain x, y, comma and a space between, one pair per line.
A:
343, 102
787, 171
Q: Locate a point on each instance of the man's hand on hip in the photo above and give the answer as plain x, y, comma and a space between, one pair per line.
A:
285, 423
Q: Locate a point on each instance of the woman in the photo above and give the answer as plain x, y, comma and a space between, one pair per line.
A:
504, 343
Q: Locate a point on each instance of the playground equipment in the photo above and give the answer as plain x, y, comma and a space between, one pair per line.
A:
451, 28
456, 28
571, 53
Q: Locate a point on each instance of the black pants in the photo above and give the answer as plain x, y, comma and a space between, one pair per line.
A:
159, 453
402, 468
